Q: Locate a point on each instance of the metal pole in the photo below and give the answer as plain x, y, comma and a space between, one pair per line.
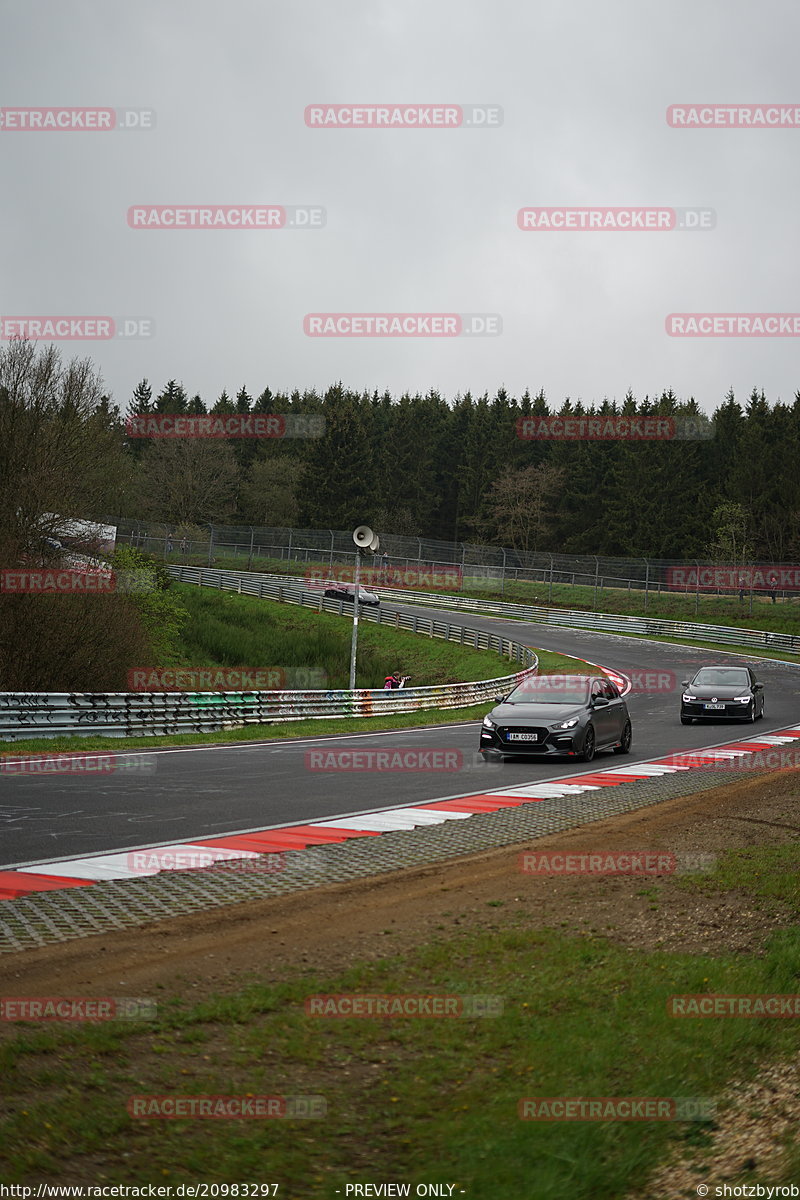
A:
503, 585
210, 544
354, 643
646, 583
697, 589
596, 577
550, 594
250, 559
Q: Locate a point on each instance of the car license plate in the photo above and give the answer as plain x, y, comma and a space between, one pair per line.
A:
523, 737
717, 706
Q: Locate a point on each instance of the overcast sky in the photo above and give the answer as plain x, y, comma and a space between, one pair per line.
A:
417, 220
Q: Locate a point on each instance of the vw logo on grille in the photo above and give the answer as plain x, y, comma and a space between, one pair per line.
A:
713, 699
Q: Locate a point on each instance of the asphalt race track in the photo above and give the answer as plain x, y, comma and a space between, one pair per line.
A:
199, 792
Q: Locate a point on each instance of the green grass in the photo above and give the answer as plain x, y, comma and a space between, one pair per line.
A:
408, 1099
771, 875
229, 630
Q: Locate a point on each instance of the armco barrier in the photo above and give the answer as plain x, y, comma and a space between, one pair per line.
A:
266, 585
138, 714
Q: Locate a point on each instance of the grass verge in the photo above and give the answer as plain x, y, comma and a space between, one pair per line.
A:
783, 616
414, 1100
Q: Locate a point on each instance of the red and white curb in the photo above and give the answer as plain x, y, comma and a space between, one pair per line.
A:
131, 864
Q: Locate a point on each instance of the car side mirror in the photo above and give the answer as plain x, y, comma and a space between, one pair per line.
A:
599, 701
499, 699
684, 683
758, 687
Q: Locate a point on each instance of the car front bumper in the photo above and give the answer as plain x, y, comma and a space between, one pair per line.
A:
553, 743
731, 710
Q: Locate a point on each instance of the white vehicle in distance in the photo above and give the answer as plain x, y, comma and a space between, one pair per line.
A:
347, 591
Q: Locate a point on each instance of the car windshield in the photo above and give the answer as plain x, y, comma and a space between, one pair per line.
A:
551, 689
722, 677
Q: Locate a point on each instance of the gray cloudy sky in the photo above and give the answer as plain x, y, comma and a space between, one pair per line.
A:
417, 220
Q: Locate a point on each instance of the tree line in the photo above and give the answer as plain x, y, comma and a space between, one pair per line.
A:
418, 465
458, 470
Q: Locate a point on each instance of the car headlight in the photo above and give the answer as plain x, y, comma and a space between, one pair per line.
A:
570, 724
488, 723
742, 699
687, 698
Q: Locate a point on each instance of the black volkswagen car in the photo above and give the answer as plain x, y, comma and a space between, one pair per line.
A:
722, 692
554, 715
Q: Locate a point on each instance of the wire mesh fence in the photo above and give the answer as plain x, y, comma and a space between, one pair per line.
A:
482, 567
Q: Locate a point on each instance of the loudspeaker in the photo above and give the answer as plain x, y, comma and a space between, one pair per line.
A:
363, 537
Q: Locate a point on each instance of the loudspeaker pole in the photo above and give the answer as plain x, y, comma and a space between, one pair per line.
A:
354, 642
363, 537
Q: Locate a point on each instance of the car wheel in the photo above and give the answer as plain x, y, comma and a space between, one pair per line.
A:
761, 714
751, 716
587, 753
687, 720
627, 738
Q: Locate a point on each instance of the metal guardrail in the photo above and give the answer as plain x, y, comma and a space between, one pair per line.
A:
139, 714
486, 566
571, 618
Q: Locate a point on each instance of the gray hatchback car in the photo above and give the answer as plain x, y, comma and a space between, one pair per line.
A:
558, 715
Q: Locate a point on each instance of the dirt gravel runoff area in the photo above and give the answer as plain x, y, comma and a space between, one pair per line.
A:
343, 923
339, 927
